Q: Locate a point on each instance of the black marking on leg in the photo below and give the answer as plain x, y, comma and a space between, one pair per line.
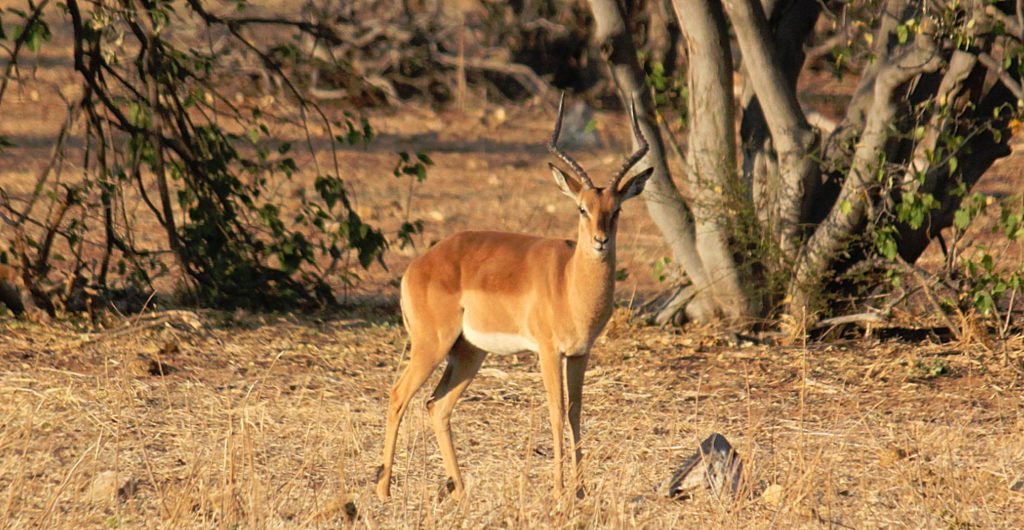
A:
380, 473
351, 511
450, 485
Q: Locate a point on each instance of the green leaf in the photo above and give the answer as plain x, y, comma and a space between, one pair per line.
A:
902, 33
961, 219
661, 268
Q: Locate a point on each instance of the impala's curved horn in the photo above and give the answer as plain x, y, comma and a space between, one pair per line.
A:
641, 150
553, 147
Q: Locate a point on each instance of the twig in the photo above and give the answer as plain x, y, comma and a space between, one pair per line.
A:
867, 317
1004, 77
32, 18
153, 320
522, 73
931, 298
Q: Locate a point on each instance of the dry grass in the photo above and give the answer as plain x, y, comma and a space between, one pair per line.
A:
276, 421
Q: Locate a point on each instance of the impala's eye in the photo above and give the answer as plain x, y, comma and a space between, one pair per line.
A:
583, 212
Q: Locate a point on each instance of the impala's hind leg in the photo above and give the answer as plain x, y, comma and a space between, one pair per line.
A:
463, 363
429, 346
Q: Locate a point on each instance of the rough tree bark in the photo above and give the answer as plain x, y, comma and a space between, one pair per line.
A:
792, 137
711, 173
703, 253
664, 203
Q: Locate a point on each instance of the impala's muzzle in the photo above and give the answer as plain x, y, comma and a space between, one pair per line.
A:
600, 243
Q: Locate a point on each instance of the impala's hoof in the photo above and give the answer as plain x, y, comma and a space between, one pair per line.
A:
383, 492
383, 485
452, 489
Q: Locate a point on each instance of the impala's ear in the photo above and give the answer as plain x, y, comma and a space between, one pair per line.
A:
569, 185
635, 185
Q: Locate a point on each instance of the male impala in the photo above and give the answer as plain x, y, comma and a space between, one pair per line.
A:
498, 292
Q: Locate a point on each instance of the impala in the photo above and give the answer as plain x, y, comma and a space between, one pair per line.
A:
499, 292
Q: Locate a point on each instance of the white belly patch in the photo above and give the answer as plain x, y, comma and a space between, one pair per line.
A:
498, 343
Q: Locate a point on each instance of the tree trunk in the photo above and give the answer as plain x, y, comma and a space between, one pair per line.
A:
664, 202
713, 186
792, 137
850, 211
791, 22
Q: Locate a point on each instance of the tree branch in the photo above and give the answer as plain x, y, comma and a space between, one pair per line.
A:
12, 63
792, 137
997, 69
849, 211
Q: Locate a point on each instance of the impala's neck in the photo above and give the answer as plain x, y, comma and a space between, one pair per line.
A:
591, 284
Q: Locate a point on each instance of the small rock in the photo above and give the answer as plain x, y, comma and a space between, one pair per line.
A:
1018, 485
715, 465
107, 485
496, 118
772, 495
436, 215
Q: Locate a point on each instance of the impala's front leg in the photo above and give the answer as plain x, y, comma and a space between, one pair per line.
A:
575, 367
551, 373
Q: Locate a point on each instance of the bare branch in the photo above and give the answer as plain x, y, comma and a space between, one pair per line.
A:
1005, 78
851, 207
522, 73
12, 63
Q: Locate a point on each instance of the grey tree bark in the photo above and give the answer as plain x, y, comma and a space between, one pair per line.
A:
792, 137
711, 177
703, 253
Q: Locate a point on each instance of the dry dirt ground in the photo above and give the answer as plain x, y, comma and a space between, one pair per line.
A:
275, 421
238, 420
